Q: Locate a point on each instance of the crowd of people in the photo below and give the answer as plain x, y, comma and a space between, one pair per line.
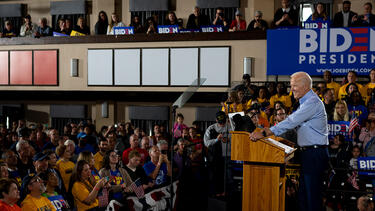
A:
286, 16
85, 169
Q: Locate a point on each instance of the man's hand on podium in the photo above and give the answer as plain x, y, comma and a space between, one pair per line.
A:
254, 136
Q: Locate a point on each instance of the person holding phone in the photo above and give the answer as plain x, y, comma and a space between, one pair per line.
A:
159, 167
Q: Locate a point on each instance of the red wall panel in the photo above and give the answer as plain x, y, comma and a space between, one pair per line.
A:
45, 67
21, 67
4, 67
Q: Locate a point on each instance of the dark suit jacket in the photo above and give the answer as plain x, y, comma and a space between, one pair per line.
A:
338, 20
361, 23
293, 14
202, 21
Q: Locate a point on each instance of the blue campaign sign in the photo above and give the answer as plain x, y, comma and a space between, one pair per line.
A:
189, 30
366, 163
212, 28
314, 51
56, 34
168, 29
339, 127
58, 202
123, 30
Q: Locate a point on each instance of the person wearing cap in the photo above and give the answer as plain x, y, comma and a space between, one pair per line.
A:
28, 29
9, 195
258, 23
8, 30
33, 186
82, 144
217, 140
238, 24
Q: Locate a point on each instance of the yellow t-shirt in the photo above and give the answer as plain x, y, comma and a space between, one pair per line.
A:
343, 94
367, 87
98, 161
65, 168
285, 99
80, 193
335, 86
37, 204
233, 108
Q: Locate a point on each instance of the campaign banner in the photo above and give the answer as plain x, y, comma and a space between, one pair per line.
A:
314, 51
365, 164
189, 30
316, 24
123, 30
168, 29
56, 34
212, 28
339, 127
58, 202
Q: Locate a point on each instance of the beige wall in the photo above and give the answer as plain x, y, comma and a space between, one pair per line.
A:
239, 50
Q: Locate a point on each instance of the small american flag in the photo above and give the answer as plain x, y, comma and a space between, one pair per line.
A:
353, 124
352, 179
136, 186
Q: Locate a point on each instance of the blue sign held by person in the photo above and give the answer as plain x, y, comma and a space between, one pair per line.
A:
315, 51
168, 29
123, 30
338, 127
366, 163
212, 28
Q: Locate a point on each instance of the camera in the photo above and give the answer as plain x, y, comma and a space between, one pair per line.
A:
164, 152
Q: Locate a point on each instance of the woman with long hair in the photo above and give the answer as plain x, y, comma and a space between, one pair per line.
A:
89, 158
101, 25
341, 112
120, 179
83, 190
233, 103
319, 14
115, 22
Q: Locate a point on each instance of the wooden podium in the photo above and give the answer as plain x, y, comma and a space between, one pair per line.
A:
263, 172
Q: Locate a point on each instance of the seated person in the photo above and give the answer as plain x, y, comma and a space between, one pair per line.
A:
159, 167
43, 30
367, 19
9, 31
280, 115
9, 195
83, 190
33, 186
61, 27
329, 102
370, 86
368, 131
258, 23
68, 26
81, 26
344, 18
238, 24
196, 20
357, 107
262, 121
28, 28
285, 16
327, 76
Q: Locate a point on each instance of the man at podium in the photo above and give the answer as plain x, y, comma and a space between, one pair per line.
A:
310, 121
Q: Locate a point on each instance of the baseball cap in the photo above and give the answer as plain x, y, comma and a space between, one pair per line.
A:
81, 135
40, 156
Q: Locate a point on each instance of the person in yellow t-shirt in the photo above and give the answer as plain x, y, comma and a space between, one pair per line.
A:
327, 76
84, 192
64, 165
99, 156
281, 95
352, 78
34, 200
233, 104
